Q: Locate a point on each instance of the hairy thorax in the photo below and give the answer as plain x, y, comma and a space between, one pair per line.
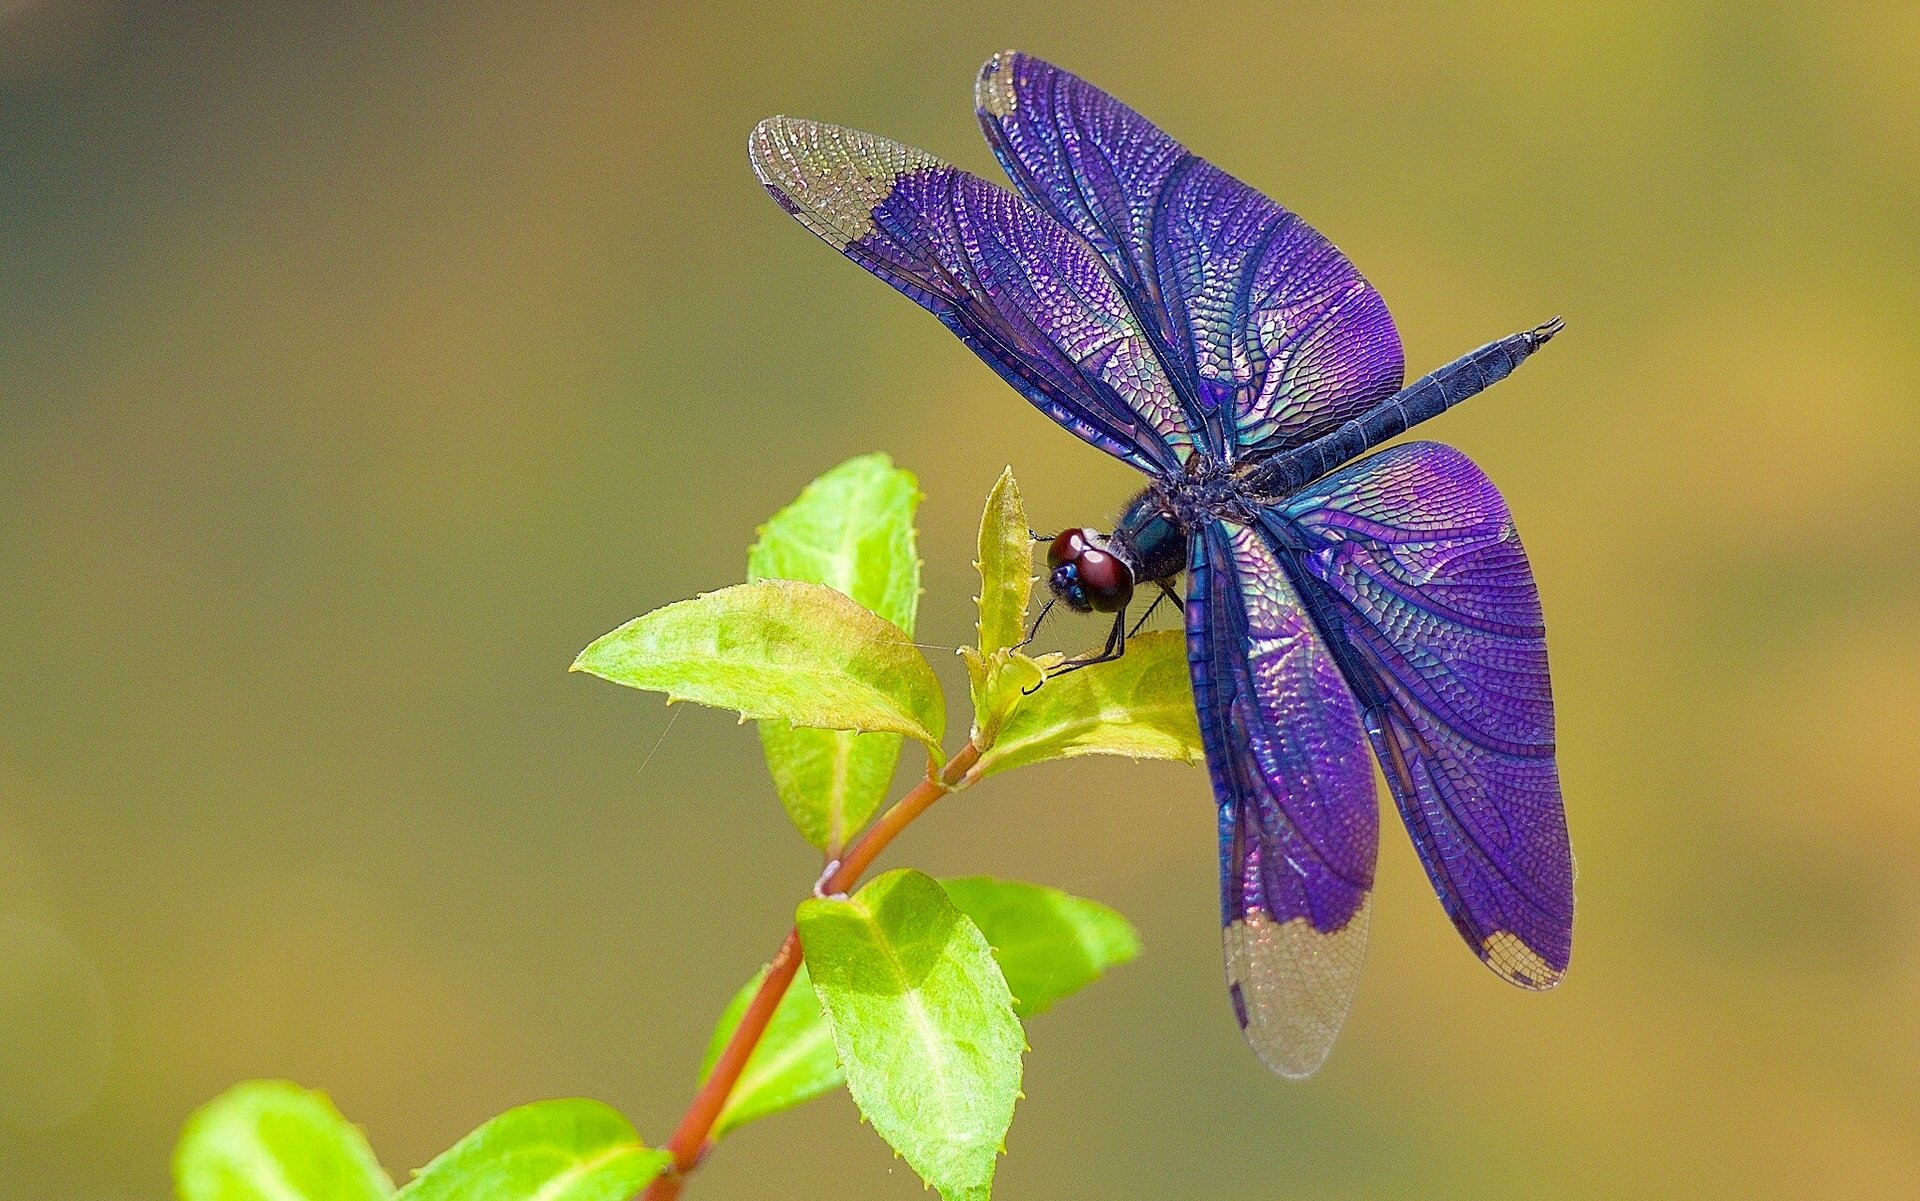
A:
1203, 494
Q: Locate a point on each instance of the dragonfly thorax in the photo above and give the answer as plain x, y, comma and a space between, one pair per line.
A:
1202, 495
1150, 538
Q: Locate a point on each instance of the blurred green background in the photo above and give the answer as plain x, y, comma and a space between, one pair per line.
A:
360, 363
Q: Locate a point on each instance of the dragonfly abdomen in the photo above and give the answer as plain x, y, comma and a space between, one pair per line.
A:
1428, 396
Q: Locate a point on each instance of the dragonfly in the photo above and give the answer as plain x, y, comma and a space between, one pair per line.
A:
1342, 603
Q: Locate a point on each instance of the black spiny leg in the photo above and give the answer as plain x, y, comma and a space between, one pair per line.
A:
1116, 637
1166, 590
1033, 631
1116, 647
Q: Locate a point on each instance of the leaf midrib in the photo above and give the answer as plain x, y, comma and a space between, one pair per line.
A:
552, 1190
266, 1171
1129, 714
917, 1007
268, 1174
911, 725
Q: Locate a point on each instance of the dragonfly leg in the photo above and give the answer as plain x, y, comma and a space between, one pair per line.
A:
1166, 590
1033, 630
1116, 647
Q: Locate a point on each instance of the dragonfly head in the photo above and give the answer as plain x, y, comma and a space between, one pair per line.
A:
1087, 575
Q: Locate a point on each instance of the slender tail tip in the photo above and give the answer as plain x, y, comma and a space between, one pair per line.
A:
1542, 333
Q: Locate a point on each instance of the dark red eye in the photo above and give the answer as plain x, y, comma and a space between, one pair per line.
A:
1097, 579
1108, 581
1067, 547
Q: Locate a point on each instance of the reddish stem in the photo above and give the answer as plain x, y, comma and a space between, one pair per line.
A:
689, 1141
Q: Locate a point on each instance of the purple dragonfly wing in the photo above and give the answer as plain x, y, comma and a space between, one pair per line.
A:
1299, 823
1274, 334
1416, 571
1026, 295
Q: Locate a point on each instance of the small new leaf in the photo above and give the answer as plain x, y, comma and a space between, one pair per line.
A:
999, 676
999, 682
1139, 705
1050, 944
1006, 567
572, 1150
794, 1061
923, 1023
851, 530
778, 649
268, 1140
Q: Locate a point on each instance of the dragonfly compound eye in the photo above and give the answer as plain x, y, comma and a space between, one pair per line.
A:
1067, 546
1087, 577
1108, 581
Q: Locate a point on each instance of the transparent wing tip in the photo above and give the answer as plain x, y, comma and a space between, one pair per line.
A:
1291, 986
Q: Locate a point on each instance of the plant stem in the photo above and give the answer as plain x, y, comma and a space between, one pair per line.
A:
689, 1141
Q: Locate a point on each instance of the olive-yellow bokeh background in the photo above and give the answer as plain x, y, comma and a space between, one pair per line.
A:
359, 363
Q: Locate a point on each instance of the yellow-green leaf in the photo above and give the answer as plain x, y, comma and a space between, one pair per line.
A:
779, 649
923, 1023
793, 1062
851, 530
1049, 944
268, 1140
1006, 567
569, 1150
1139, 705
999, 682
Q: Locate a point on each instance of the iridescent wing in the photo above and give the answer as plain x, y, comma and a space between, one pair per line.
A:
1026, 295
1270, 329
1414, 570
1299, 823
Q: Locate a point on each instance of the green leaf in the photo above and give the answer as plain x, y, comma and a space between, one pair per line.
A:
999, 683
998, 675
851, 530
779, 649
830, 781
794, 1061
1006, 567
573, 1150
1140, 705
923, 1023
267, 1140
1049, 944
